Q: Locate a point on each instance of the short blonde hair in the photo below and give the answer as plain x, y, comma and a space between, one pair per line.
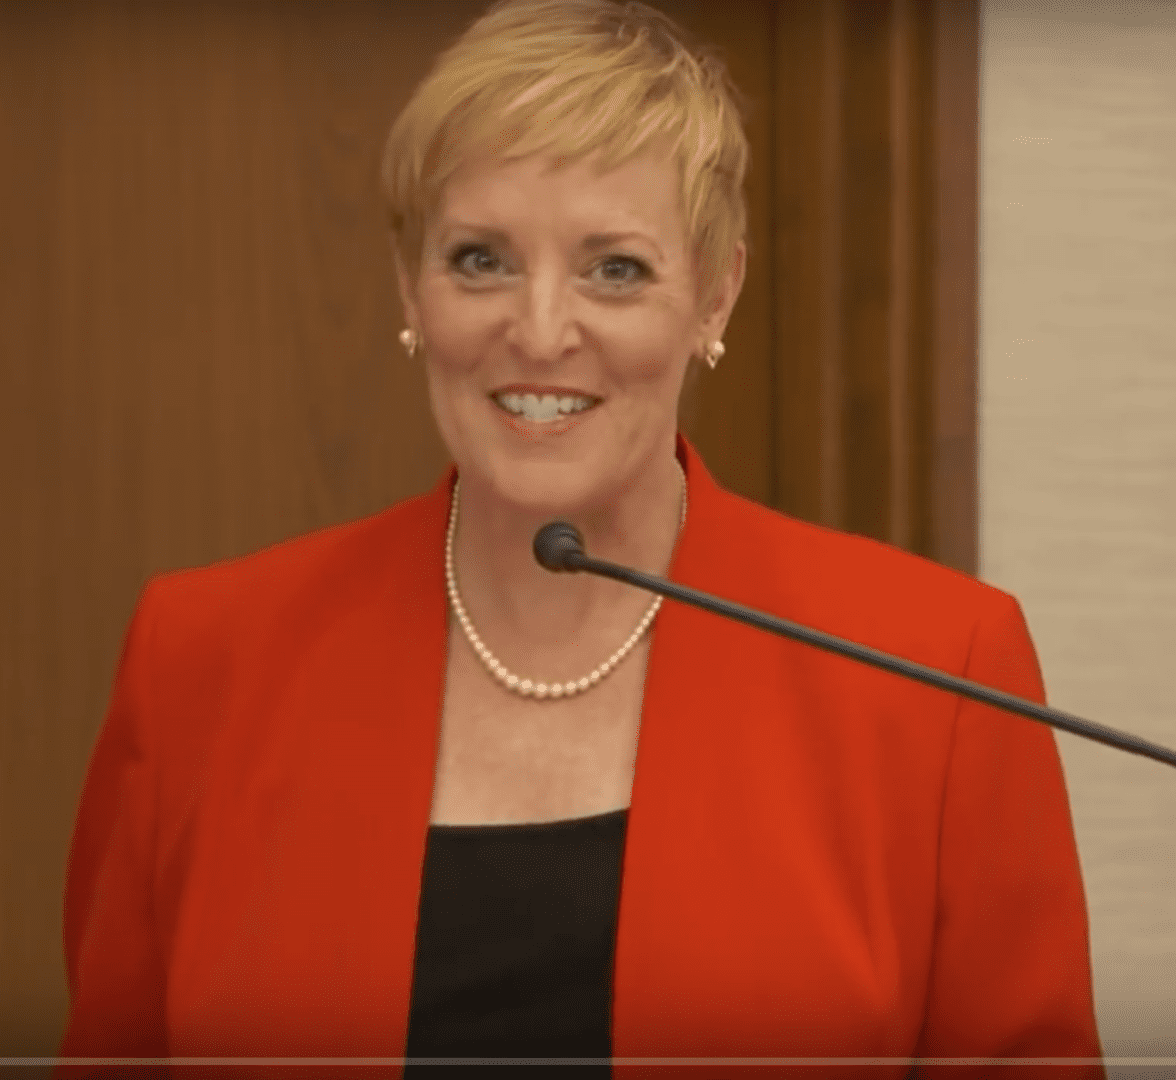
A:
570, 77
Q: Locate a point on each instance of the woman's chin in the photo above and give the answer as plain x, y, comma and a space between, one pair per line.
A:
535, 489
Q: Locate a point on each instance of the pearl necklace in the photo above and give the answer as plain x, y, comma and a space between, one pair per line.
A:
525, 686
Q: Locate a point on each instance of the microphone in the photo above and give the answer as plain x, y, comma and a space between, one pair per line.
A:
559, 547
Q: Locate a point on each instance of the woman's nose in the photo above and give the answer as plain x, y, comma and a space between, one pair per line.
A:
545, 324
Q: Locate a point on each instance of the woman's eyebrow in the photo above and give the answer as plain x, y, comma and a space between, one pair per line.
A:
590, 243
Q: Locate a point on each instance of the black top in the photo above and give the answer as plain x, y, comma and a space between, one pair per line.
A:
515, 943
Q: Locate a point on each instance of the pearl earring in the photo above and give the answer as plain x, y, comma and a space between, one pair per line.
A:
713, 353
408, 338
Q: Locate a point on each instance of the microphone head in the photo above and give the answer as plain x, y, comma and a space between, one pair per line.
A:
555, 542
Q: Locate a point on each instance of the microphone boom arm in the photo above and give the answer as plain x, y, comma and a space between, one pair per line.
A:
573, 558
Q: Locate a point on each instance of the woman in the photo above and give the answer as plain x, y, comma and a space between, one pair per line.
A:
391, 789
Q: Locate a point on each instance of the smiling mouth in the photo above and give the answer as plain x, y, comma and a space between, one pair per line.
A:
544, 408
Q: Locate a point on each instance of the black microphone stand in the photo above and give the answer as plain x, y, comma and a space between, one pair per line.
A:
559, 546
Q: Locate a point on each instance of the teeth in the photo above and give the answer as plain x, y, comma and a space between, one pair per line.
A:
544, 408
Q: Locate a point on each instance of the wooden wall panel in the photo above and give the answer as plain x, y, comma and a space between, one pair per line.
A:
728, 413
198, 322
950, 318
198, 357
874, 286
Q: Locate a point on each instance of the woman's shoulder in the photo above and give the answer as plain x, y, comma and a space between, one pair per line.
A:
793, 547
334, 561
841, 581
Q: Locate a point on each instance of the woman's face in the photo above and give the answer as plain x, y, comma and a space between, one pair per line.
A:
558, 283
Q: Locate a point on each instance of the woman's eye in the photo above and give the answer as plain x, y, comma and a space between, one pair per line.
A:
467, 259
641, 271
457, 260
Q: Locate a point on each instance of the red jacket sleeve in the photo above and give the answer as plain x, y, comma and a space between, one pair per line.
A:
1011, 973
115, 970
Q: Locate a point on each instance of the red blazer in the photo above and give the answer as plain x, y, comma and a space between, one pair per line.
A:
822, 859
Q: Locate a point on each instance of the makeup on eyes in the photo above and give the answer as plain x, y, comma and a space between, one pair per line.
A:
462, 249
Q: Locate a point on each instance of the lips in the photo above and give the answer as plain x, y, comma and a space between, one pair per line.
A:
536, 430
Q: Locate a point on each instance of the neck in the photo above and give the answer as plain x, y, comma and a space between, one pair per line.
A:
533, 619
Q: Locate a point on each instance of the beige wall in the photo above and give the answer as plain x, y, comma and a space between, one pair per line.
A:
1078, 439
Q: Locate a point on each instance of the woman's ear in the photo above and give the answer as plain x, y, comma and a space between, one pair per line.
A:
715, 322
405, 289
